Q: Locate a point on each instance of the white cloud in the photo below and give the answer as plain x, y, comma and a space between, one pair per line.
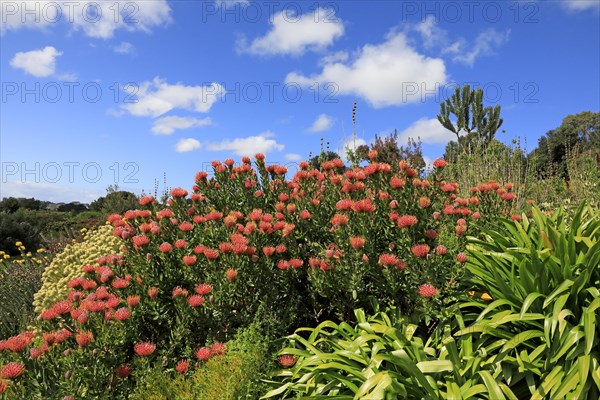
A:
581, 5
39, 63
485, 44
96, 19
168, 125
338, 56
431, 33
323, 123
68, 77
385, 74
124, 48
461, 50
156, 97
53, 192
429, 131
295, 35
293, 157
248, 146
231, 3
186, 145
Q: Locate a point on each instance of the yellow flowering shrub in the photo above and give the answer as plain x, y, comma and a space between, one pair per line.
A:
68, 264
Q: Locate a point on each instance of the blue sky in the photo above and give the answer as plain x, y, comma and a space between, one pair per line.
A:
98, 93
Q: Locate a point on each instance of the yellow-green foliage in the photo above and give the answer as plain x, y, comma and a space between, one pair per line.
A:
68, 264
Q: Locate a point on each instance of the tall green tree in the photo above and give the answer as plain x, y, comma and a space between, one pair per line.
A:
478, 124
577, 134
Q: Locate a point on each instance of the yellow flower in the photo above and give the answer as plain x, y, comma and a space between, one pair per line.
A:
18, 244
6, 256
83, 230
41, 250
28, 254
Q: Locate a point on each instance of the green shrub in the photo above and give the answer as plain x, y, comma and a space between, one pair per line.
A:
67, 265
20, 279
544, 277
235, 375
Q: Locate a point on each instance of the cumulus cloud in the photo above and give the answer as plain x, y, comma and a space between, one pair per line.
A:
381, 73
485, 43
323, 123
156, 97
248, 146
293, 157
39, 63
231, 3
187, 145
168, 125
459, 49
95, 19
580, 5
124, 48
429, 131
295, 35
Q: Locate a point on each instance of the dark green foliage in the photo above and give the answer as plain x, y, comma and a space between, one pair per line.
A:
116, 201
579, 134
18, 283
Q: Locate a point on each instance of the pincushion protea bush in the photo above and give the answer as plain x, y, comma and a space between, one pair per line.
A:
194, 271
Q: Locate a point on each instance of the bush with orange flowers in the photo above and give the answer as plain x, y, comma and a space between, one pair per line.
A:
301, 249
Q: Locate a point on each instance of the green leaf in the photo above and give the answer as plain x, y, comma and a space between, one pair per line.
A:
431, 367
492, 386
556, 292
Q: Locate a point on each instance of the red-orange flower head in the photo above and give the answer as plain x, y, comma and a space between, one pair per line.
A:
203, 289
357, 242
339, 220
189, 260
397, 182
268, 251
287, 360
144, 349
461, 258
195, 300
165, 247
344, 205
122, 314
133, 300
391, 260
12, 370
420, 250
140, 240
427, 290
182, 366
179, 192
123, 371
440, 163
203, 353
424, 202
509, 196
84, 338
406, 221
218, 348
153, 292
231, 274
